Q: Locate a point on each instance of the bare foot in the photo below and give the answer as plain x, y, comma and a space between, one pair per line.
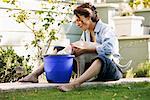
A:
29, 78
67, 87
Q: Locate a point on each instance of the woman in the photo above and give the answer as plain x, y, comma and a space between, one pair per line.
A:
104, 45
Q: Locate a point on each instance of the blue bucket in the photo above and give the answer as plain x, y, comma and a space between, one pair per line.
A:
58, 68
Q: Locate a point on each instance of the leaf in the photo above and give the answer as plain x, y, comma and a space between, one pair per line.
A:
39, 12
50, 1
115, 94
7, 1
126, 97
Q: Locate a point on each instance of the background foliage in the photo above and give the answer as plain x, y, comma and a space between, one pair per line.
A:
44, 24
12, 66
142, 70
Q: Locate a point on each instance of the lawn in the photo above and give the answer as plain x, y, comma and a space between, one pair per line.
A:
130, 91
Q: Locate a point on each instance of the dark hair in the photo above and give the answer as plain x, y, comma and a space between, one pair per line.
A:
80, 10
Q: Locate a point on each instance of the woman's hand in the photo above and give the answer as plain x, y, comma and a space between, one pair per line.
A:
81, 47
78, 51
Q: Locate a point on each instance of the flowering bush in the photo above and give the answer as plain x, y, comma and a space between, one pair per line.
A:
44, 23
127, 9
139, 4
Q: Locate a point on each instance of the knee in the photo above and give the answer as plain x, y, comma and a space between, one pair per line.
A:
97, 62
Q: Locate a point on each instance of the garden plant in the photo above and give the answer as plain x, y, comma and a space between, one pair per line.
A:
44, 24
12, 66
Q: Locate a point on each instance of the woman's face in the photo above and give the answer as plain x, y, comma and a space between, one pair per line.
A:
83, 22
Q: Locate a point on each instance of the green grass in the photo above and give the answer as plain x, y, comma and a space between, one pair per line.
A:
132, 91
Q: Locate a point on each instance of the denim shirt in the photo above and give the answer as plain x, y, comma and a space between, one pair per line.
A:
106, 39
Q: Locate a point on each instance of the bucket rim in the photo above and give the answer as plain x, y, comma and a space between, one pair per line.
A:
67, 55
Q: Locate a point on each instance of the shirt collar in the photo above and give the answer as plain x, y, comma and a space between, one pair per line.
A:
97, 27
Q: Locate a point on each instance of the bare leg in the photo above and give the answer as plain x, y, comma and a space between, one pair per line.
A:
33, 77
92, 71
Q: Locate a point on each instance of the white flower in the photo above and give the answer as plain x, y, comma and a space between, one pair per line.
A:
125, 10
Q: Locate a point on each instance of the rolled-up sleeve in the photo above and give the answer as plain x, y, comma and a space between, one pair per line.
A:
108, 41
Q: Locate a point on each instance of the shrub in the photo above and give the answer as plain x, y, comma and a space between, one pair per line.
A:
12, 66
142, 70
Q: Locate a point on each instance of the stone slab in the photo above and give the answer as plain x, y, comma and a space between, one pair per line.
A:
19, 85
